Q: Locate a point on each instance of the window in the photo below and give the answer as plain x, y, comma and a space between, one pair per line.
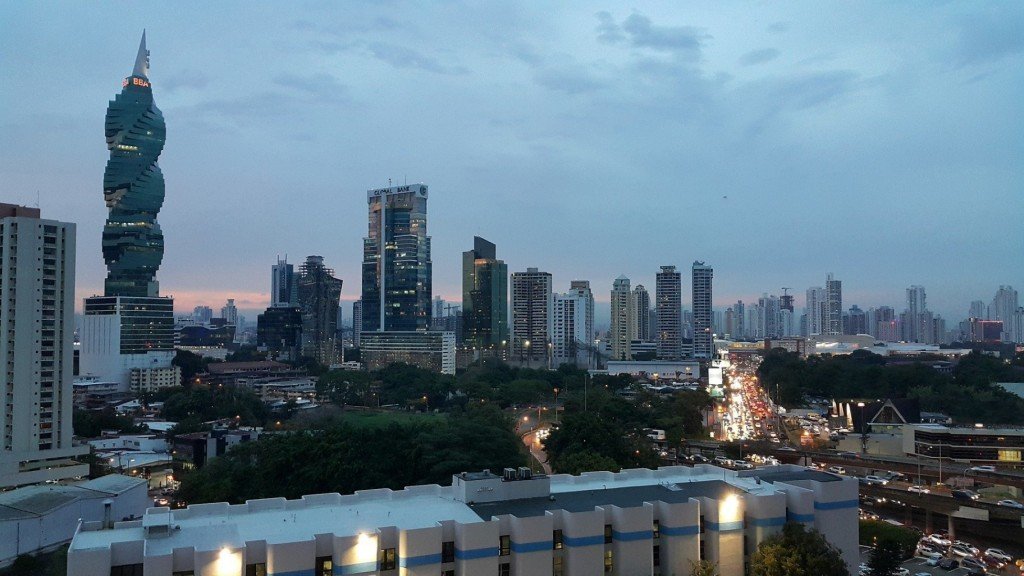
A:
324, 566
701, 523
557, 568
607, 533
504, 569
126, 570
608, 561
258, 569
657, 529
447, 551
702, 555
387, 559
556, 540
504, 545
657, 555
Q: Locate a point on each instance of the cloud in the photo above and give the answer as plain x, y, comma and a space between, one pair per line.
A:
759, 56
568, 79
323, 86
402, 57
608, 31
990, 37
684, 41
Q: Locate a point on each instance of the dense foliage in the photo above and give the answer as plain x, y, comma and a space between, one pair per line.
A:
873, 532
207, 403
886, 558
90, 423
797, 551
339, 457
969, 395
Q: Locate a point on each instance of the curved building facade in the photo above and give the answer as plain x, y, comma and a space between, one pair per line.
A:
133, 186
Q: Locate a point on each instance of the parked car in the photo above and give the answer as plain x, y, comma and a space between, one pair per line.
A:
973, 564
837, 469
876, 480
934, 561
974, 549
742, 465
1010, 504
961, 551
949, 564
939, 539
929, 552
998, 554
965, 494
985, 468
918, 489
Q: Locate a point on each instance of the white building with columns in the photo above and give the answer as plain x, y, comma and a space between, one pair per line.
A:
636, 522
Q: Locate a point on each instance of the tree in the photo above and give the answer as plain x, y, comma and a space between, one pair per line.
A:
797, 551
703, 568
886, 558
586, 461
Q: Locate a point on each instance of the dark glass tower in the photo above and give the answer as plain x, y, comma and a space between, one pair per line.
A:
319, 292
133, 186
401, 279
484, 297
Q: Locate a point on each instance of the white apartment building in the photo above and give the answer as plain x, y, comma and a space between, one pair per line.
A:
632, 523
37, 323
569, 327
532, 316
623, 323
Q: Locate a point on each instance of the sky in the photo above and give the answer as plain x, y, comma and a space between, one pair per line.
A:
778, 142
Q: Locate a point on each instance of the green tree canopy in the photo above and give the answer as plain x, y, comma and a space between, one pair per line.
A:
797, 551
886, 558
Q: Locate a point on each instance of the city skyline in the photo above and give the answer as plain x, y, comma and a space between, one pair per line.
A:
214, 95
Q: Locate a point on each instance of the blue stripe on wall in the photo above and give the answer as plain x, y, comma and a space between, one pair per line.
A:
475, 554
838, 505
800, 517
581, 541
632, 536
680, 530
414, 561
767, 522
525, 547
724, 526
360, 568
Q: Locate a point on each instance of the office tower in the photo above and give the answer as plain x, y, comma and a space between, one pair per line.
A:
437, 311
815, 310
202, 315
977, 310
718, 322
127, 335
229, 313
569, 328
319, 292
622, 319
886, 326
582, 289
786, 300
768, 316
532, 315
1003, 308
396, 260
786, 327
357, 321
739, 320
279, 331
641, 302
669, 306
833, 315
730, 323
484, 298
284, 288
37, 257
915, 328
855, 321
703, 340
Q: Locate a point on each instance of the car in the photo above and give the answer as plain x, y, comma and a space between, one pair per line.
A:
973, 564
949, 564
934, 561
998, 554
974, 549
875, 480
985, 468
918, 489
929, 552
965, 495
1010, 504
846, 454
742, 465
960, 551
939, 539
837, 469
902, 572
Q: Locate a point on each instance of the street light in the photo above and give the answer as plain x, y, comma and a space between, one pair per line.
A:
556, 405
863, 429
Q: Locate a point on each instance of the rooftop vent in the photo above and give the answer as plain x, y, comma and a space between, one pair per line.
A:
509, 474
525, 473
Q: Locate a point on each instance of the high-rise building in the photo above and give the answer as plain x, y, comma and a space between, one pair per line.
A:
855, 321
130, 329
582, 289
37, 257
284, 288
833, 316
202, 315
319, 292
916, 327
703, 340
484, 298
641, 317
977, 310
623, 323
279, 331
396, 260
669, 306
357, 321
886, 325
229, 312
569, 328
1003, 308
532, 315
739, 320
815, 310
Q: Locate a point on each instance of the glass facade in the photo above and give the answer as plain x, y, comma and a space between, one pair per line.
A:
996, 445
319, 292
484, 297
133, 187
279, 330
147, 324
398, 223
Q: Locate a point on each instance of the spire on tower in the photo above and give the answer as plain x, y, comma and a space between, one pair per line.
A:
142, 60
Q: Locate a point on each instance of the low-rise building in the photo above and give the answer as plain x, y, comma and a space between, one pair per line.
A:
434, 351
672, 369
198, 448
974, 444
636, 522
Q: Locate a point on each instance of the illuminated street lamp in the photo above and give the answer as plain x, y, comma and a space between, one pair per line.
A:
863, 429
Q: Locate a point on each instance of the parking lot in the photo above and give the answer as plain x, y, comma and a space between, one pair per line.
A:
917, 565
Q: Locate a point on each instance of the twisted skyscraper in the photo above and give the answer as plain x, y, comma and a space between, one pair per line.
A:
128, 333
133, 186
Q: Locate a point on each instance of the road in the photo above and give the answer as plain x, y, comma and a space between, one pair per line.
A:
749, 412
532, 428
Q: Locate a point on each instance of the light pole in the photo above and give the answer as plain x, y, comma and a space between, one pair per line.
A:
556, 405
863, 430
526, 344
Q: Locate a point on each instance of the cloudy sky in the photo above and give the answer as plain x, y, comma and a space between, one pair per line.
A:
882, 142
